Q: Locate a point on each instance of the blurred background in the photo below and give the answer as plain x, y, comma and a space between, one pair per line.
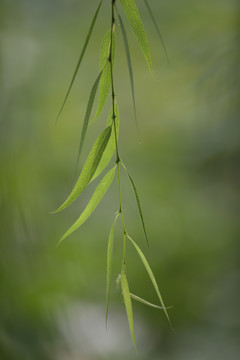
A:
186, 169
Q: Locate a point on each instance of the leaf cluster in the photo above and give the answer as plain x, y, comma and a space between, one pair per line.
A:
106, 145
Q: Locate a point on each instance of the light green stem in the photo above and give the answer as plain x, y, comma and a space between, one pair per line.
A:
118, 161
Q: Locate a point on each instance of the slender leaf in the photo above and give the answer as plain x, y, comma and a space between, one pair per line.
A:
105, 66
138, 204
134, 18
87, 116
150, 273
157, 28
80, 57
109, 263
89, 167
128, 305
145, 302
111, 146
94, 201
125, 40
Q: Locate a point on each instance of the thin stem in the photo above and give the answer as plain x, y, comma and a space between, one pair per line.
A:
118, 161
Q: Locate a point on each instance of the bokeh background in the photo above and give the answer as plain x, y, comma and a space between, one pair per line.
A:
52, 299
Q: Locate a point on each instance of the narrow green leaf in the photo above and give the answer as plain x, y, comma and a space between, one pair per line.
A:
80, 57
138, 203
128, 305
89, 167
134, 18
157, 29
87, 116
125, 40
105, 66
111, 146
145, 302
94, 201
150, 273
109, 263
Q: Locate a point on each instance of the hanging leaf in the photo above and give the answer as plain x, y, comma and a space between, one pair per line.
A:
157, 29
81, 57
87, 116
111, 146
150, 273
125, 40
128, 305
89, 167
134, 18
138, 203
109, 263
145, 302
105, 66
94, 201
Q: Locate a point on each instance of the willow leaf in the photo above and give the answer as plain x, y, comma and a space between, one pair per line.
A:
157, 29
80, 57
105, 66
87, 116
150, 273
89, 167
128, 305
111, 146
138, 203
145, 302
125, 40
94, 201
134, 18
109, 263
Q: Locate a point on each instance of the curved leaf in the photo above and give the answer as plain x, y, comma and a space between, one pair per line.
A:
128, 305
105, 66
111, 146
145, 302
150, 273
134, 18
94, 201
157, 28
80, 57
89, 167
125, 40
138, 203
87, 116
109, 263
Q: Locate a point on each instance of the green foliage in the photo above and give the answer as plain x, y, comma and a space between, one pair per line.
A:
133, 16
105, 146
111, 145
128, 304
105, 67
89, 167
93, 203
88, 114
129, 62
81, 56
109, 263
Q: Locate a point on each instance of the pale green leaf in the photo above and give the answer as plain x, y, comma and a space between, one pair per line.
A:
80, 57
94, 201
89, 167
145, 302
125, 40
157, 28
138, 203
105, 66
134, 18
111, 146
87, 116
109, 263
152, 277
128, 305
